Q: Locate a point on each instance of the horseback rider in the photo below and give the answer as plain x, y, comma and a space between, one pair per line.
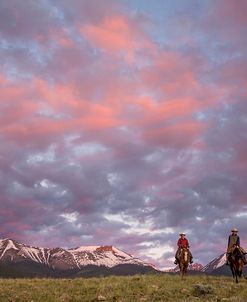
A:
182, 243
233, 241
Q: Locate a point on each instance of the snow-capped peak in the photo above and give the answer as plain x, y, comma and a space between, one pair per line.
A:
7, 244
215, 263
90, 248
105, 255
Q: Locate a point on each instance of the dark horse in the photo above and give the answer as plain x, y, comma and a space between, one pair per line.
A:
236, 263
183, 261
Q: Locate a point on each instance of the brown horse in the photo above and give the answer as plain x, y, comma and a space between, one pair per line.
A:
236, 263
183, 261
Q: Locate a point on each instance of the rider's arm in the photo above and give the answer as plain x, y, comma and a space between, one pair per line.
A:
238, 241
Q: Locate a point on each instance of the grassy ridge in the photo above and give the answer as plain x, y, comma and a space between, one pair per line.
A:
125, 289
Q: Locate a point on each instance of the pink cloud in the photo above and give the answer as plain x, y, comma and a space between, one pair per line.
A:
154, 112
21, 106
178, 135
172, 75
117, 34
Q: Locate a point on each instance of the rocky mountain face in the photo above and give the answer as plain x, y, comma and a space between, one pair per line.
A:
19, 257
195, 267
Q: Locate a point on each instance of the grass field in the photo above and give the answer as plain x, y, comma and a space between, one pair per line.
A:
125, 289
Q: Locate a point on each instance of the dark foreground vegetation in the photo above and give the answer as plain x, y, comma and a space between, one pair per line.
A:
125, 289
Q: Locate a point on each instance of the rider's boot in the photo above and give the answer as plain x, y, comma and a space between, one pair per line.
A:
191, 260
176, 261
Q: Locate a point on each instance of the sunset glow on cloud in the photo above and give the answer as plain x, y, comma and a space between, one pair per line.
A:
124, 123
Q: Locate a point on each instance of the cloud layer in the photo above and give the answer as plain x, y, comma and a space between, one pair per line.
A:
124, 124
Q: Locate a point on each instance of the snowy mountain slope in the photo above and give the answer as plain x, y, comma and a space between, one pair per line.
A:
103, 255
66, 259
215, 264
11, 250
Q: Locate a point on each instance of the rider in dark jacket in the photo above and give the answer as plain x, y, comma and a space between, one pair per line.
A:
234, 240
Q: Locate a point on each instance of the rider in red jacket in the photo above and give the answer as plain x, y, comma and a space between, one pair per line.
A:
182, 243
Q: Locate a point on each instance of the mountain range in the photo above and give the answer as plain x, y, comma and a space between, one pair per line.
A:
21, 260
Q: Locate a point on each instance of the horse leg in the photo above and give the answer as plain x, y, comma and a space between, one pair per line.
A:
241, 266
182, 271
243, 275
236, 277
239, 269
236, 274
240, 273
232, 270
186, 269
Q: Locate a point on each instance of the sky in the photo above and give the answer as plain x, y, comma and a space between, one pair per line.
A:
124, 122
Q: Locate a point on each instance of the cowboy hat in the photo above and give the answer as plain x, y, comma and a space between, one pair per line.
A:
182, 234
234, 230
